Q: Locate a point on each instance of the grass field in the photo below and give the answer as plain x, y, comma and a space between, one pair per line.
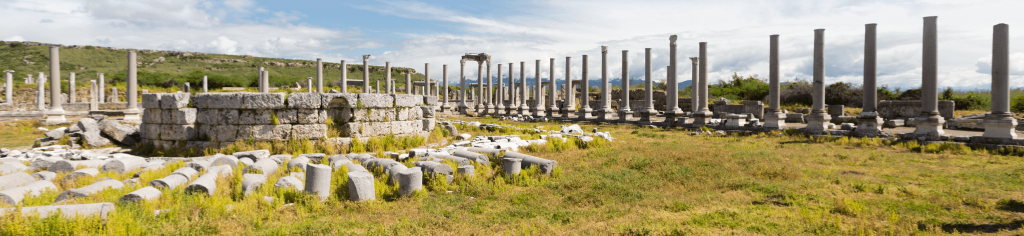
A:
647, 182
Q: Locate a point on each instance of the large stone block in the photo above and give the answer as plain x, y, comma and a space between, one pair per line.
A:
416, 113
150, 100
307, 116
286, 116
243, 132
174, 100
255, 117
208, 116
182, 116
374, 115
429, 124
304, 100
427, 111
150, 131
153, 116
407, 100
353, 129
218, 100
430, 100
271, 132
372, 129
314, 131
338, 100
406, 127
376, 100
228, 117
402, 113
321, 118
263, 101
220, 133
177, 132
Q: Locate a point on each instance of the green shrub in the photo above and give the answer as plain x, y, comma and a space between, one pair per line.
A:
1017, 104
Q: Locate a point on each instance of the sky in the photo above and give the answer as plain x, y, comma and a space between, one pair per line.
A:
412, 33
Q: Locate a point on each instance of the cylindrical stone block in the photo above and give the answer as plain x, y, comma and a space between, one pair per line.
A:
366, 73
360, 186
205, 88
929, 68
133, 83
102, 89
472, 156
409, 181
648, 82
319, 75
187, 172
45, 175
9, 88
89, 190
147, 193
694, 82
553, 84
71, 88
773, 74
393, 172
264, 166
1001, 69
289, 182
170, 181
466, 170
546, 166
703, 76
205, 184
68, 211
16, 179
344, 77
318, 180
69, 166
819, 72
870, 74
199, 165
434, 168
298, 162
13, 196
124, 164
511, 166
55, 101
71, 177
231, 161
624, 104
252, 182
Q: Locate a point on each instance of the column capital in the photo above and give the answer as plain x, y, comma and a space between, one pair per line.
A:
366, 57
672, 39
695, 60
604, 49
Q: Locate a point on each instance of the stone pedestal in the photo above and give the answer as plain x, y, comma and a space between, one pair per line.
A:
776, 120
930, 126
701, 119
1000, 126
817, 122
735, 121
869, 124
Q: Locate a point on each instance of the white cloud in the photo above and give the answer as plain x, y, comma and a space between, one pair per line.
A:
46, 21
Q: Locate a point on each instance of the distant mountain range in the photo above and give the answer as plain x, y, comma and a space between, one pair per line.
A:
634, 82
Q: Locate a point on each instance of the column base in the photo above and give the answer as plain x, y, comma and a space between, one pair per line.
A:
509, 110
605, 114
565, 112
585, 113
552, 112
499, 109
463, 110
776, 120
625, 115
523, 110
929, 126
869, 125
1000, 126
479, 108
55, 117
647, 115
735, 121
132, 116
817, 122
701, 118
536, 112
672, 115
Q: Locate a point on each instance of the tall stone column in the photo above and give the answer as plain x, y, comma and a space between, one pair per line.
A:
511, 94
94, 103
694, 82
101, 88
604, 113
553, 108
538, 95
703, 115
585, 110
259, 81
648, 112
1000, 123
408, 83
426, 79
462, 94
569, 103
366, 73
444, 88
869, 124
672, 110
929, 124
625, 113
319, 75
41, 93
132, 113
205, 88
264, 80
775, 119
55, 114
344, 77
9, 90
309, 85
817, 121
387, 78
523, 92
499, 95
71, 88
479, 99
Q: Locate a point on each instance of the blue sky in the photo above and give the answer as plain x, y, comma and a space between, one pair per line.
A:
411, 33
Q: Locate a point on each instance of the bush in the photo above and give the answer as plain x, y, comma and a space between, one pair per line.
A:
797, 92
15, 44
846, 94
1017, 104
911, 94
740, 88
967, 101
885, 94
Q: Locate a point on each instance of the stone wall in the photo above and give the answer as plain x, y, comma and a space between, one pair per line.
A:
219, 119
904, 109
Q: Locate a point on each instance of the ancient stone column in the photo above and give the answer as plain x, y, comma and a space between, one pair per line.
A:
569, 103
538, 95
309, 84
869, 124
132, 92
41, 93
444, 88
523, 92
102, 89
319, 75
703, 115
648, 112
113, 95
604, 113
480, 105
259, 80
378, 86
929, 124
553, 108
266, 82
499, 95
9, 90
694, 81
817, 121
672, 110
426, 79
387, 78
511, 96
625, 113
205, 88
462, 95
585, 111
188, 88
366, 73
55, 114
408, 83
344, 77
775, 118
486, 90
71, 88
94, 103
1000, 123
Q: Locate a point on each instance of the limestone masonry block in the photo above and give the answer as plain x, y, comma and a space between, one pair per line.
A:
406, 127
150, 131
255, 117
407, 100
351, 130
307, 116
228, 117
373, 115
286, 116
271, 132
218, 100
263, 101
205, 116
153, 116
338, 100
416, 114
177, 132
243, 132
376, 100
181, 116
315, 131
402, 113
150, 100
304, 100
223, 133
376, 129
430, 100
174, 100
428, 112
321, 118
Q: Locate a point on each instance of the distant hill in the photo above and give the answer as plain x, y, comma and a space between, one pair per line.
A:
173, 68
